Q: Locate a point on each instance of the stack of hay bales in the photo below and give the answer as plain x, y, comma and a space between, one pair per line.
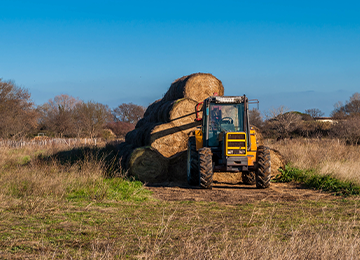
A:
155, 150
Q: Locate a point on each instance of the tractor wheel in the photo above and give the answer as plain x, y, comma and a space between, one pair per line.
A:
263, 172
192, 163
248, 178
205, 168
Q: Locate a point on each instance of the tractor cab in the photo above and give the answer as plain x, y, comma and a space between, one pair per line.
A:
226, 132
226, 143
223, 118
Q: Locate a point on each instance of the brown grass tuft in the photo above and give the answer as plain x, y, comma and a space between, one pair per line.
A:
327, 156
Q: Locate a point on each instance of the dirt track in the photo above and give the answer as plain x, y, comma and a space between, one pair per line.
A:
238, 194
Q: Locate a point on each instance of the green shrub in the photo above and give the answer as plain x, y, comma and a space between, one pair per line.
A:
117, 189
322, 182
25, 160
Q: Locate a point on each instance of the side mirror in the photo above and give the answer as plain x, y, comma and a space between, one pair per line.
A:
198, 118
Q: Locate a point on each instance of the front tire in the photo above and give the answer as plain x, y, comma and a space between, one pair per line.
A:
263, 171
205, 168
192, 166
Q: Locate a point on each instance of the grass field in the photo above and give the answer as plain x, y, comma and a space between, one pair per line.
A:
63, 204
326, 156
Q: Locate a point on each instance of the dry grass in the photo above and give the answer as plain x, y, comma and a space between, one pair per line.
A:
266, 241
65, 207
25, 175
186, 231
325, 156
61, 174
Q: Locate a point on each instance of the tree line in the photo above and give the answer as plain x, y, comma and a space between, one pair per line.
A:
67, 116
344, 122
62, 116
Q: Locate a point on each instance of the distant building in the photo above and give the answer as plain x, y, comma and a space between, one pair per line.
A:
325, 119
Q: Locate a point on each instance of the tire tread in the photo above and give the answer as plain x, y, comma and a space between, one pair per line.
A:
263, 172
205, 168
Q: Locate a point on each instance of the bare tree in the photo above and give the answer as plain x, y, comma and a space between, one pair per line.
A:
17, 112
274, 112
255, 118
339, 111
91, 117
57, 115
281, 121
119, 128
348, 129
129, 113
355, 97
314, 112
351, 107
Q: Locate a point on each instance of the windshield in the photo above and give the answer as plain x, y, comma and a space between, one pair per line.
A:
225, 118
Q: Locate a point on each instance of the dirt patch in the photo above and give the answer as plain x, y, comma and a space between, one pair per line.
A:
228, 177
238, 193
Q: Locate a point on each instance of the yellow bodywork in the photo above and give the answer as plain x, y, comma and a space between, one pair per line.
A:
253, 148
199, 139
251, 154
242, 144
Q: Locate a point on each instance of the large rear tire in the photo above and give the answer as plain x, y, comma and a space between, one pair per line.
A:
205, 168
263, 171
192, 163
248, 178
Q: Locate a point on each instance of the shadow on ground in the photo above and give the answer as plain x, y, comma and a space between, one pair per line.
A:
107, 156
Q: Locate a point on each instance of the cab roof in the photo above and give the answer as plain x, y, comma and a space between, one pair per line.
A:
227, 99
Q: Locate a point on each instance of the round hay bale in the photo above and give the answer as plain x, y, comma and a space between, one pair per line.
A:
181, 109
277, 162
197, 86
150, 108
141, 122
136, 137
148, 165
183, 114
119, 147
166, 138
126, 157
153, 116
130, 136
146, 129
144, 137
139, 137
124, 149
164, 111
177, 167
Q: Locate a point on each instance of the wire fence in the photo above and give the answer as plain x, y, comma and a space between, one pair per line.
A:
49, 142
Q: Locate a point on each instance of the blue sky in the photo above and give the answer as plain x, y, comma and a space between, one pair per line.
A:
300, 54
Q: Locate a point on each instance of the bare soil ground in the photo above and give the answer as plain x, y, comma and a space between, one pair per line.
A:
238, 193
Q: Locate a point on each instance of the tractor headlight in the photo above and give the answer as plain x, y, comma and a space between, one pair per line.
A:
236, 151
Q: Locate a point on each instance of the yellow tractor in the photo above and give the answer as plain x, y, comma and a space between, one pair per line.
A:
227, 143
